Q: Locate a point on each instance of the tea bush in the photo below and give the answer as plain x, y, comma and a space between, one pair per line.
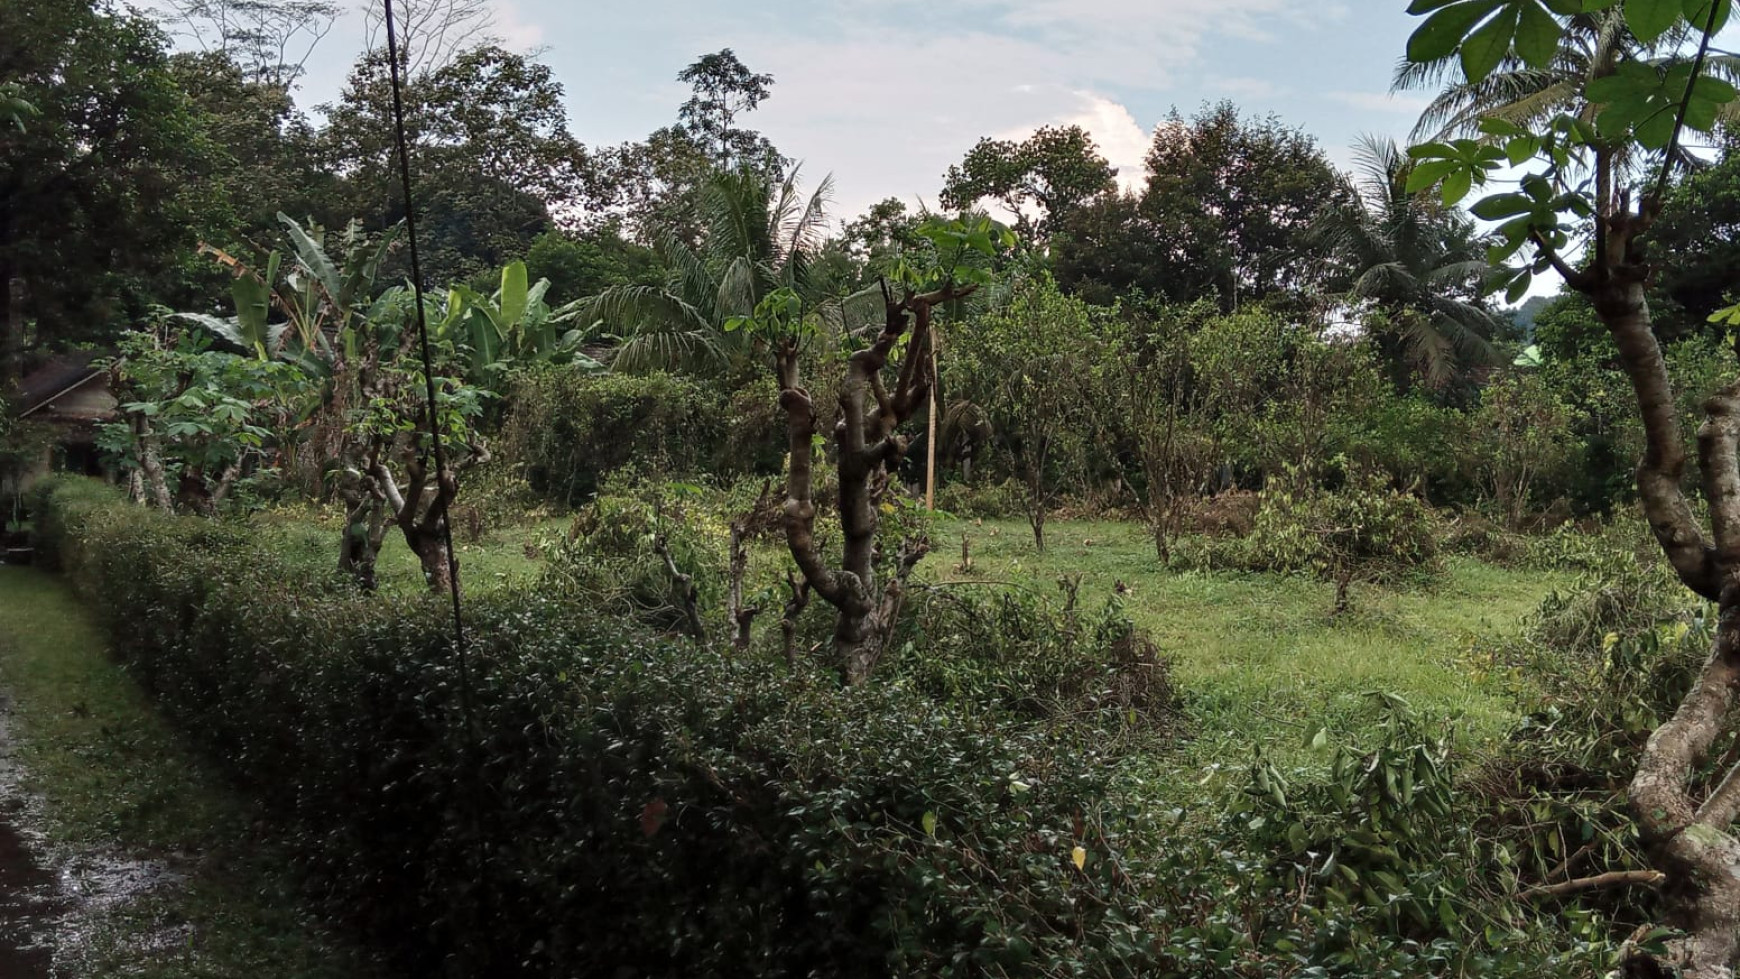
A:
1361, 530
588, 793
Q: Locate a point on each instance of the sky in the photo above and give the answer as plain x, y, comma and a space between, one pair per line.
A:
886, 94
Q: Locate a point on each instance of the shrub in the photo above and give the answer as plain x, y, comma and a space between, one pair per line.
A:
585, 793
637, 802
1013, 651
982, 499
570, 429
1362, 530
611, 560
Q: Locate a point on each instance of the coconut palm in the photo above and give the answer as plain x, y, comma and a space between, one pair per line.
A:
1417, 264
1530, 97
759, 234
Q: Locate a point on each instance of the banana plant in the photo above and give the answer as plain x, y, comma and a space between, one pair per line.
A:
319, 299
512, 326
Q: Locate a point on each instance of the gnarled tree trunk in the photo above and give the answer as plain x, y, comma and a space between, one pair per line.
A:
1686, 827
869, 448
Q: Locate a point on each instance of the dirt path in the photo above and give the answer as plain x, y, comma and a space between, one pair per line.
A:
30, 906
31, 901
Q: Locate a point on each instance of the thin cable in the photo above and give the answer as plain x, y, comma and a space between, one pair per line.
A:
441, 472
440, 452
1686, 102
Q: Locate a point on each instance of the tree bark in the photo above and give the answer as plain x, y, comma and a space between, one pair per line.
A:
12, 339
1690, 842
869, 448
151, 465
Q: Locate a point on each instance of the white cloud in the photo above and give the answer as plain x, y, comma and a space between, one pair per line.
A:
890, 110
1122, 141
516, 30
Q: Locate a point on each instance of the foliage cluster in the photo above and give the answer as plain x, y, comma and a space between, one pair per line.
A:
583, 792
571, 428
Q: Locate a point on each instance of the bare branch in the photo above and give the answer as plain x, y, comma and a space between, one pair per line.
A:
1617, 878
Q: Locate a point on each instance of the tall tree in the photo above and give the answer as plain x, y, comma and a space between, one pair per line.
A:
724, 88
658, 183
1230, 202
97, 188
490, 146
1225, 212
1417, 264
432, 34
1584, 176
1700, 226
1054, 172
270, 40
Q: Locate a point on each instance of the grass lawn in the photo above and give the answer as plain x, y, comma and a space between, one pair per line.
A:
1259, 657
117, 782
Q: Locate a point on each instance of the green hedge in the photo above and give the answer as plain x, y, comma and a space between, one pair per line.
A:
668, 811
622, 805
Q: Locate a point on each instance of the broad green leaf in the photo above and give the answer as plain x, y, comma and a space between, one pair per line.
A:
1427, 174
1486, 47
1438, 37
1456, 186
1537, 35
1502, 206
513, 296
313, 257
1698, 13
1709, 88
1520, 149
1650, 19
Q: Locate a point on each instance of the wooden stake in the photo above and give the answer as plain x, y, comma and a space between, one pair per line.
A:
930, 440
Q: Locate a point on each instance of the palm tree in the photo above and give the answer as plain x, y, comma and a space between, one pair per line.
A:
1420, 265
759, 234
1530, 97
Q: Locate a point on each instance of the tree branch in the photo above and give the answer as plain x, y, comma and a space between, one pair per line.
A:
1617, 878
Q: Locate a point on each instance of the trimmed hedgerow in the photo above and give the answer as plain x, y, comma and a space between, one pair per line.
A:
641, 803
616, 803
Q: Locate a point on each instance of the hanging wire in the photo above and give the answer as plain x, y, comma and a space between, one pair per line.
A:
471, 741
438, 449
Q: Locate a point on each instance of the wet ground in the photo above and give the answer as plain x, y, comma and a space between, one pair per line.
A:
31, 905
52, 900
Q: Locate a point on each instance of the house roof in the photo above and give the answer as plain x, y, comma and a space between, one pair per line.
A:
63, 374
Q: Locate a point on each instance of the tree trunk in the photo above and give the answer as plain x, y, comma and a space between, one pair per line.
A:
1688, 835
432, 553
12, 339
151, 465
365, 529
858, 644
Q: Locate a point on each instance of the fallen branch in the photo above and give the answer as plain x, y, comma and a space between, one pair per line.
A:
1617, 878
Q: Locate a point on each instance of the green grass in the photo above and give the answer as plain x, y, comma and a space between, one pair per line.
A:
498, 559
114, 779
1259, 657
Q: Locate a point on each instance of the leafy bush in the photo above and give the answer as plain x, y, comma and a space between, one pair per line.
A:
610, 557
635, 802
570, 429
1013, 651
1362, 530
982, 499
590, 794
